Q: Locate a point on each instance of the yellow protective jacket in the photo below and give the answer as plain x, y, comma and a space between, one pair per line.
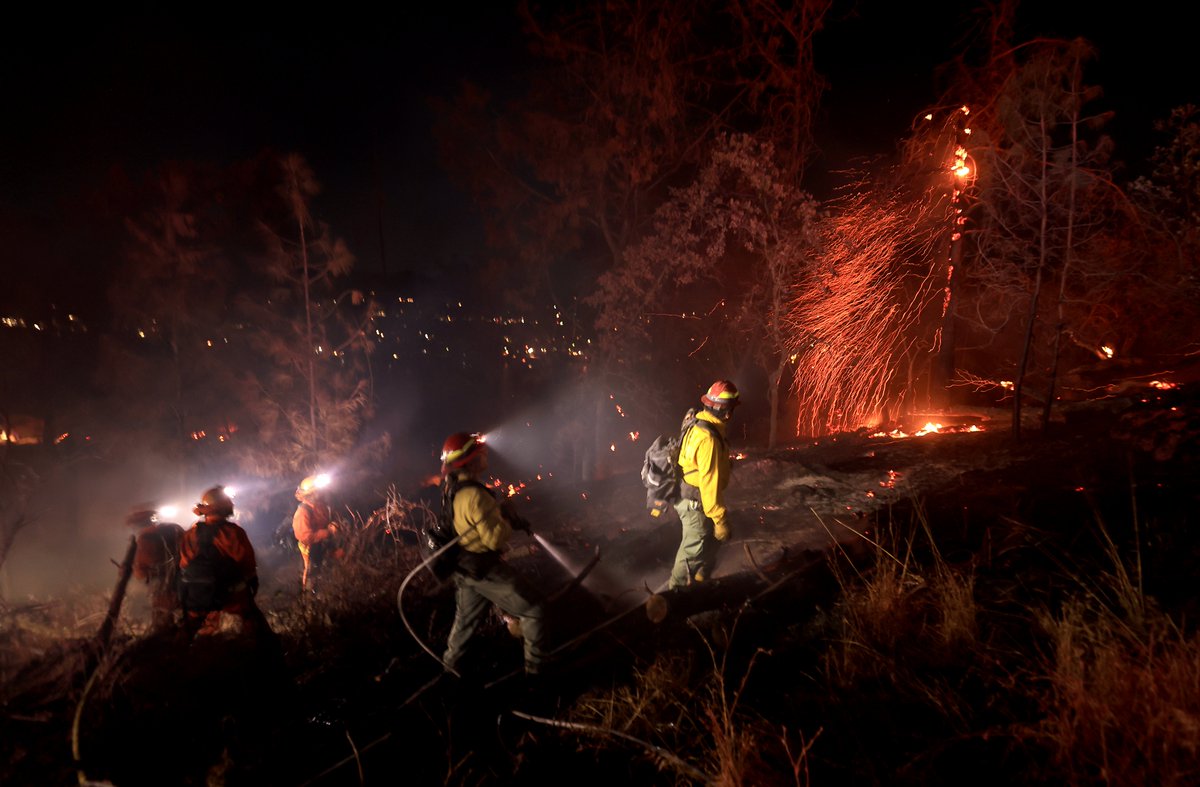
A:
704, 461
479, 520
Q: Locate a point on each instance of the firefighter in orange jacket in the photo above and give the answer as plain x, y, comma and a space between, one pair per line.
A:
314, 530
218, 573
156, 563
704, 462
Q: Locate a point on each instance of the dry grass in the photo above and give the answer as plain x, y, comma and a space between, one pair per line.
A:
902, 608
692, 720
1120, 683
1119, 708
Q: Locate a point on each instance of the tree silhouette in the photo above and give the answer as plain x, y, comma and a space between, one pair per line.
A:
168, 365
313, 392
1046, 196
623, 106
739, 236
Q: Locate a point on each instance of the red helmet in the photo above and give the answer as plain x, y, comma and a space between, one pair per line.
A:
460, 449
721, 395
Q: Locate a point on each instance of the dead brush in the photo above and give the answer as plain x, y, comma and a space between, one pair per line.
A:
1116, 708
1119, 683
360, 582
901, 606
671, 706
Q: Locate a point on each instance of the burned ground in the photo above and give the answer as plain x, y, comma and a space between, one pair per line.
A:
354, 697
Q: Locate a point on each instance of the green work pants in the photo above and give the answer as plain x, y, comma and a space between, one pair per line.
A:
503, 587
697, 555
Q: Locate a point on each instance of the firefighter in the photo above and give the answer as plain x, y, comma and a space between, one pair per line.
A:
156, 563
704, 462
218, 573
314, 530
481, 576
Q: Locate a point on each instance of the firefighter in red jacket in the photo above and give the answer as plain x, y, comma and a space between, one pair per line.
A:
156, 563
704, 462
314, 528
218, 573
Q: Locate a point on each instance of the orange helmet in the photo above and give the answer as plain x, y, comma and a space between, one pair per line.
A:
460, 449
214, 502
721, 395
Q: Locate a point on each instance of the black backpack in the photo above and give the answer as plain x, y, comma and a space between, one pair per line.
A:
205, 582
441, 532
661, 474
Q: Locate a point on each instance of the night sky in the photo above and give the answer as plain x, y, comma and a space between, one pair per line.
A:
345, 85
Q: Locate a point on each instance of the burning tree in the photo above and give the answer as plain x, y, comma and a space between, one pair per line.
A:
855, 311
1048, 217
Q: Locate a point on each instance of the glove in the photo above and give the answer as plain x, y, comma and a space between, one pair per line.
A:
516, 520
721, 529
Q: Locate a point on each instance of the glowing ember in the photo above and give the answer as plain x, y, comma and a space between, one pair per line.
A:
1163, 386
929, 428
1107, 351
633, 436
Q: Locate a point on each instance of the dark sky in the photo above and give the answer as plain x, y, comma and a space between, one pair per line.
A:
344, 84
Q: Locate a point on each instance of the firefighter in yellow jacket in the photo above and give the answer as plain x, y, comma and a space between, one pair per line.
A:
704, 462
482, 577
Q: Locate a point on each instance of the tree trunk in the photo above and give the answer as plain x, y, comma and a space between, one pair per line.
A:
773, 381
1062, 279
943, 366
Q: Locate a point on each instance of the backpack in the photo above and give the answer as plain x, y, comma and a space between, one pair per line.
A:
661, 474
204, 583
441, 532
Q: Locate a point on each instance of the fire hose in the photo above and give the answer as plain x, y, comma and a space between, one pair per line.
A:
400, 602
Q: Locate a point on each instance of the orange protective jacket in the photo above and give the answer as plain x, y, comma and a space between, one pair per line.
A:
310, 523
157, 553
230, 540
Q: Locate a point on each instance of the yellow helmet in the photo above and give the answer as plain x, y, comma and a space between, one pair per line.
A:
214, 502
311, 485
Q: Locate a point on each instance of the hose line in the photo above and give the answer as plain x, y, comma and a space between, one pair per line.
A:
400, 603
